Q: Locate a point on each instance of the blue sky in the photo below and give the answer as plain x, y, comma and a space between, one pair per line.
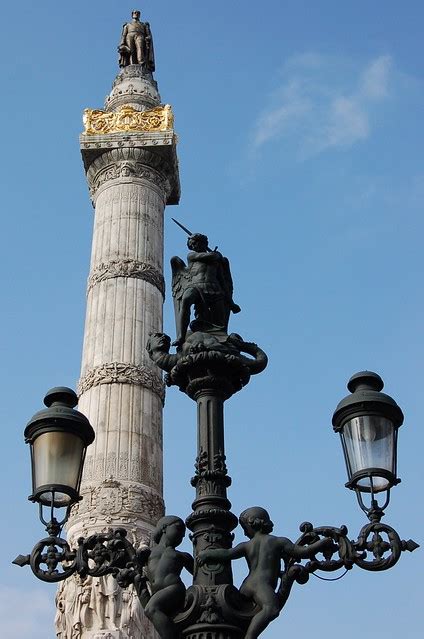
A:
300, 127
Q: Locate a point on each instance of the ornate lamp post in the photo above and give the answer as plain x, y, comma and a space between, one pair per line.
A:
210, 365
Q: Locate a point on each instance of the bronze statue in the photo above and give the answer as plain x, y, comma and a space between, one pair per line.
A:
155, 573
205, 350
163, 569
206, 284
198, 345
263, 553
136, 45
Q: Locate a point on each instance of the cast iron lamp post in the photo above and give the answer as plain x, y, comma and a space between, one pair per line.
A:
209, 366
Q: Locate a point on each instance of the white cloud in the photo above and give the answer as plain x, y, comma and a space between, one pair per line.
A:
26, 613
323, 104
345, 123
276, 122
374, 82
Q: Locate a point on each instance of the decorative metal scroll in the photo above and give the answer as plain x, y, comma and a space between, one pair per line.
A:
378, 547
128, 119
53, 560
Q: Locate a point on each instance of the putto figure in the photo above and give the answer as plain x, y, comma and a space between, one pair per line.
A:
163, 569
206, 284
264, 553
136, 45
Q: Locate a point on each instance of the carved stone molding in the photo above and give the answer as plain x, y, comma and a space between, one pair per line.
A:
97, 122
128, 169
136, 149
139, 95
123, 467
129, 140
136, 72
126, 467
113, 504
134, 86
126, 268
122, 373
144, 156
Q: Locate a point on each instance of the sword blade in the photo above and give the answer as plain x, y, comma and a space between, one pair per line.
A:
181, 226
189, 233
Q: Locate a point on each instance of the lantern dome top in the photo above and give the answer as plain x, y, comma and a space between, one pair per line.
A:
366, 380
60, 415
61, 395
366, 398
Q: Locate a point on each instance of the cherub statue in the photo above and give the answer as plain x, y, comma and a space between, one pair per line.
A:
263, 553
206, 284
163, 568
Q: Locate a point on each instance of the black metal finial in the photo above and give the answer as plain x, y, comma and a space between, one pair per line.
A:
365, 380
61, 395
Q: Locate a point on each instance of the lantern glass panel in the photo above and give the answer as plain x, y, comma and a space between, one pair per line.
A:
370, 444
57, 460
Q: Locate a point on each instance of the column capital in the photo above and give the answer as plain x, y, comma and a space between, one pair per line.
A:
151, 156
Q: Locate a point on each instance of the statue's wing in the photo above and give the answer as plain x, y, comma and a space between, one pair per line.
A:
180, 281
226, 279
180, 277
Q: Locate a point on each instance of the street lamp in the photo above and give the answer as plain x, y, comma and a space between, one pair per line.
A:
58, 437
368, 422
210, 366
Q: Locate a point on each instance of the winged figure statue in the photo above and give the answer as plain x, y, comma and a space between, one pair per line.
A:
205, 283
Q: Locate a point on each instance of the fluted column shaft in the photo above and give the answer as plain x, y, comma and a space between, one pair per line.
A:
121, 390
131, 179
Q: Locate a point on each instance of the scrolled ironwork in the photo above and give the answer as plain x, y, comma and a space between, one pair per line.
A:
385, 553
340, 546
52, 552
318, 549
95, 556
377, 548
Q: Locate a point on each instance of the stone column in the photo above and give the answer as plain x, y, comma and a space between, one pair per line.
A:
130, 158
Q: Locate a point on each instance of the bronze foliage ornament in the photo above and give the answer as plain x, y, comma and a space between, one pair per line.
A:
127, 120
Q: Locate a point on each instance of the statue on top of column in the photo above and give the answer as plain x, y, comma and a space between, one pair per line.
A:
136, 45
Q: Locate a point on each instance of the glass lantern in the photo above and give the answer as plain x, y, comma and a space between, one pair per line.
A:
368, 422
58, 437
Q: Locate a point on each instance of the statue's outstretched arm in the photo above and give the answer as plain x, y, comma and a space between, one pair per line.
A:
222, 554
188, 562
210, 256
306, 552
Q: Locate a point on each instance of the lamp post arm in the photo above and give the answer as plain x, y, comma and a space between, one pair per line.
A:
52, 559
378, 547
